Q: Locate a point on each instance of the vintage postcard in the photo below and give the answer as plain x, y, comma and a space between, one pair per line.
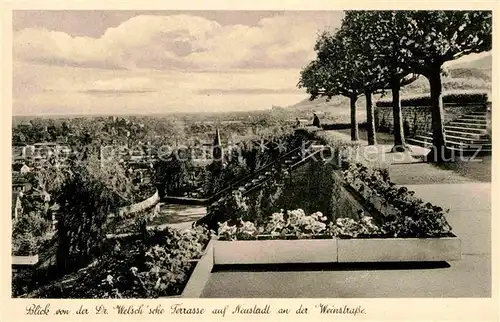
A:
181, 162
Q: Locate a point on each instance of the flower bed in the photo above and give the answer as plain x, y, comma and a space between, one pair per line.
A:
297, 238
159, 263
406, 216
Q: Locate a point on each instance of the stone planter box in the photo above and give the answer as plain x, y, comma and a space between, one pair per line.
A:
366, 192
377, 202
357, 184
399, 249
28, 260
275, 251
354, 250
390, 210
373, 199
200, 275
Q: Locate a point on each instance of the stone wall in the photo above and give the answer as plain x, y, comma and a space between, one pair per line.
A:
315, 187
143, 205
417, 119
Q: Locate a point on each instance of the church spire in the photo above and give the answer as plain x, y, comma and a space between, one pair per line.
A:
217, 152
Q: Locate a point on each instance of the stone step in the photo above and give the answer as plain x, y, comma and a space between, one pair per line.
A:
471, 120
465, 129
478, 113
414, 141
423, 138
466, 154
466, 140
477, 136
468, 125
476, 116
459, 137
426, 142
467, 145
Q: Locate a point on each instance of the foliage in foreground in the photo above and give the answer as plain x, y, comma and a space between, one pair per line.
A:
28, 232
149, 265
92, 191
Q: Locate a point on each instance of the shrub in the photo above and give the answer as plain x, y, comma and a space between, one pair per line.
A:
32, 223
414, 219
136, 266
340, 144
448, 98
24, 245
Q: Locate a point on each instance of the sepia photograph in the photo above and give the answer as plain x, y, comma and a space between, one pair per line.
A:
251, 154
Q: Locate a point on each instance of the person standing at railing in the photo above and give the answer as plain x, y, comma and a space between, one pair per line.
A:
316, 121
297, 124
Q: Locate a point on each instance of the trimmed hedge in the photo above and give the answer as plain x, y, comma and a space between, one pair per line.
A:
342, 126
450, 98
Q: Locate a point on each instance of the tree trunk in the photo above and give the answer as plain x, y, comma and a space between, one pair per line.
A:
370, 118
439, 153
399, 136
354, 122
62, 250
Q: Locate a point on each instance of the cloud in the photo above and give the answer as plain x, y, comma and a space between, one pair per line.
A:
82, 91
115, 92
179, 42
248, 91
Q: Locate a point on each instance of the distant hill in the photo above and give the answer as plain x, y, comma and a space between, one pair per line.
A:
473, 75
469, 73
483, 63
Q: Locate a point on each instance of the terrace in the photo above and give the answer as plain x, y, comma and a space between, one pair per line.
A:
469, 276
315, 267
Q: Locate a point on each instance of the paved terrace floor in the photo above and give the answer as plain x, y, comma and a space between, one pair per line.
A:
470, 216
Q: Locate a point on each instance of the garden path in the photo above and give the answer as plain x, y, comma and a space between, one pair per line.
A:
178, 216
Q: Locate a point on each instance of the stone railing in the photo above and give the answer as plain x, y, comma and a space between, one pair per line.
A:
136, 207
142, 205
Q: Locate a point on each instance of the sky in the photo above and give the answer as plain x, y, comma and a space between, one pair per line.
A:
142, 62
138, 62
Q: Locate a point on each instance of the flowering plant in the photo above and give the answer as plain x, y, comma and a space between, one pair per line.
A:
300, 225
138, 266
347, 227
245, 230
414, 217
295, 223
